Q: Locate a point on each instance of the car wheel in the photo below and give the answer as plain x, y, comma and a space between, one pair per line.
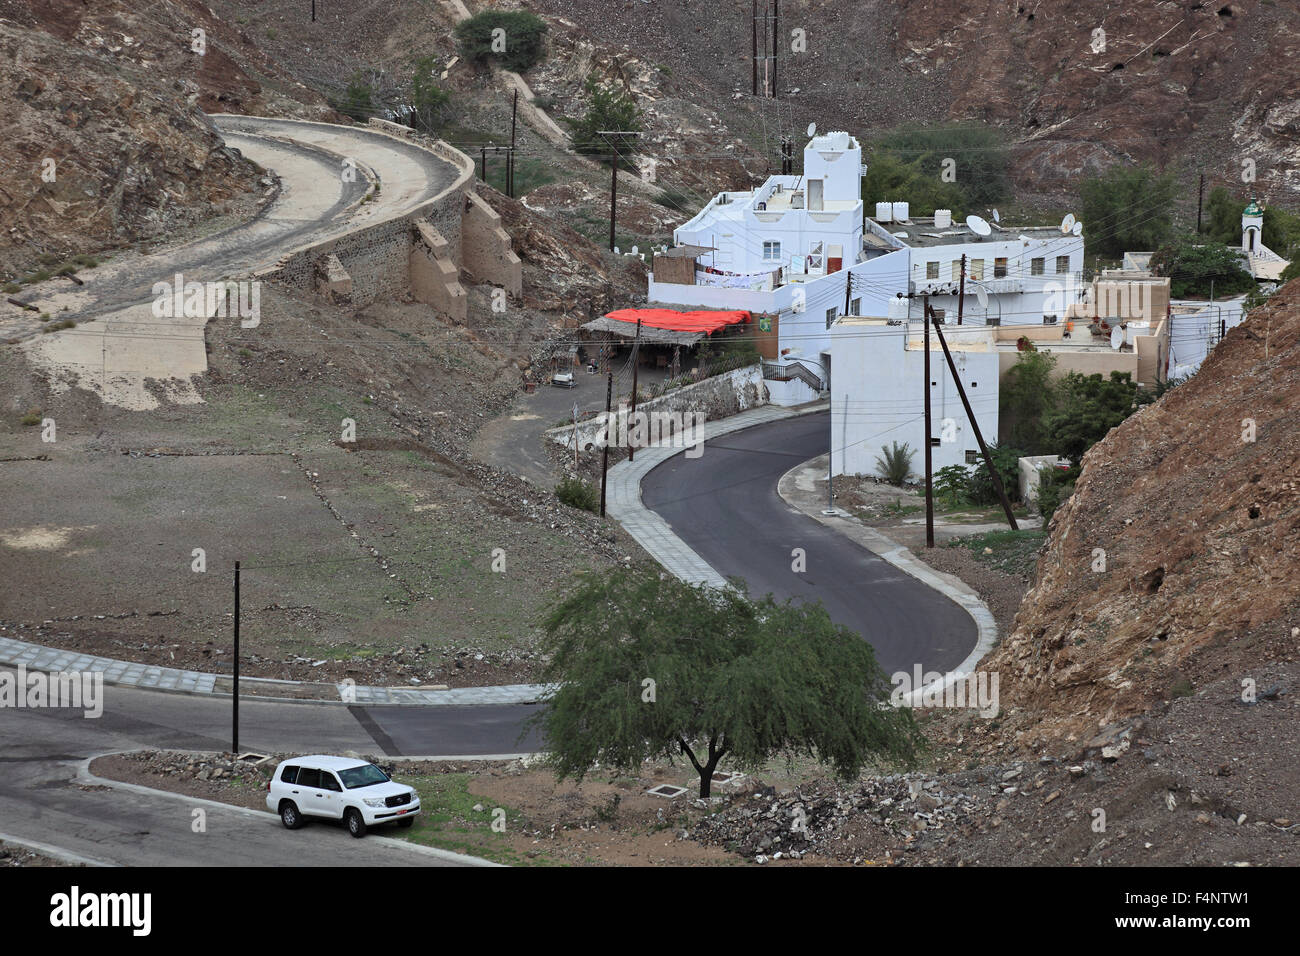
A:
356, 825
290, 816
406, 823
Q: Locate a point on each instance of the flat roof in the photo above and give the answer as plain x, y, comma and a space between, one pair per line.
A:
920, 231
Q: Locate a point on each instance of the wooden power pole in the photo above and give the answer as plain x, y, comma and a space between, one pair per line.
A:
929, 481
970, 416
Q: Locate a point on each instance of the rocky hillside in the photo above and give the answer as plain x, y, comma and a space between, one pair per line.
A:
1194, 506
114, 96
1188, 84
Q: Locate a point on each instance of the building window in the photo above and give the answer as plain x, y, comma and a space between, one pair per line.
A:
855, 307
771, 250
935, 442
932, 270
1062, 265
816, 257
956, 270
1036, 266
977, 269
831, 315
1000, 268
972, 458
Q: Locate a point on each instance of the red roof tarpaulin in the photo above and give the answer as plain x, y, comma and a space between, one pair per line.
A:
673, 321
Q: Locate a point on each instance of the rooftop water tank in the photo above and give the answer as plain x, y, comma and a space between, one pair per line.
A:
942, 218
884, 212
901, 212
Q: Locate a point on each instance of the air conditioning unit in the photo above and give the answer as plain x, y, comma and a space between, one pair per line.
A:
796, 199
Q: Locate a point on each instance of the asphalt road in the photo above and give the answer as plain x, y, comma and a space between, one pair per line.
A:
725, 506
40, 800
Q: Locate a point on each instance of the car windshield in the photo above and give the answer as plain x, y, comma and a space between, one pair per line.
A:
366, 776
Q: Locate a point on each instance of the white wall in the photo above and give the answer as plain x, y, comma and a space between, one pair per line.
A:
877, 397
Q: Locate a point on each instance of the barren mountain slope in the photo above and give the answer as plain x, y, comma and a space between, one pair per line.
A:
1193, 504
1196, 84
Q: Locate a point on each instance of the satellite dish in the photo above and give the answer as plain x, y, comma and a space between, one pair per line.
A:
1077, 229
978, 226
983, 296
1116, 337
812, 130
996, 217
1068, 222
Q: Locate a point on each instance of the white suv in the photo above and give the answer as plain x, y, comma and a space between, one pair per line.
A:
339, 788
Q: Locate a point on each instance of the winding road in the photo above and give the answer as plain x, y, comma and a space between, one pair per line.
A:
123, 352
723, 504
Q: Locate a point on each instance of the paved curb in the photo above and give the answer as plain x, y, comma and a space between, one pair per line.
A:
55, 852
795, 489
623, 495
84, 776
37, 657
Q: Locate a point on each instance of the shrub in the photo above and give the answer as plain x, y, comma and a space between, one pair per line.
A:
980, 488
895, 463
1056, 485
950, 482
1194, 268
33, 417
429, 102
577, 493
608, 108
519, 45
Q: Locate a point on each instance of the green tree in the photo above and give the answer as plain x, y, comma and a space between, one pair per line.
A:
1127, 208
889, 178
1191, 267
608, 108
519, 44
429, 102
979, 487
358, 100
950, 482
1090, 406
1027, 393
895, 464
651, 667
975, 156
1223, 217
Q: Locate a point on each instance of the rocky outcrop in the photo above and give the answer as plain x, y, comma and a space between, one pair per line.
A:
1178, 553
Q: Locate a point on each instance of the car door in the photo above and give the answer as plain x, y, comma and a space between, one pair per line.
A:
331, 795
308, 794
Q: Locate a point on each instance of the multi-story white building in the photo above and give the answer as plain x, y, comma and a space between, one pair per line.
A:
800, 251
879, 396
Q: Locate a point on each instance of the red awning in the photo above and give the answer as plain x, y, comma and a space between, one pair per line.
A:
673, 321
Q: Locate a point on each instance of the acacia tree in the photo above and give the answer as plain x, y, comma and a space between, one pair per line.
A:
651, 667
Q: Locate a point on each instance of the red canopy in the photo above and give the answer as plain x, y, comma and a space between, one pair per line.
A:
673, 321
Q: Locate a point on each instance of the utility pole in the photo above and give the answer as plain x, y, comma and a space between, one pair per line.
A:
961, 290
776, 32
753, 24
234, 719
482, 171
613, 180
313, 11
636, 356
1200, 194
510, 168
929, 486
609, 428
970, 416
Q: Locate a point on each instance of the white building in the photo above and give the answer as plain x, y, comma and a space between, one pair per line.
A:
801, 250
878, 396
1261, 261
